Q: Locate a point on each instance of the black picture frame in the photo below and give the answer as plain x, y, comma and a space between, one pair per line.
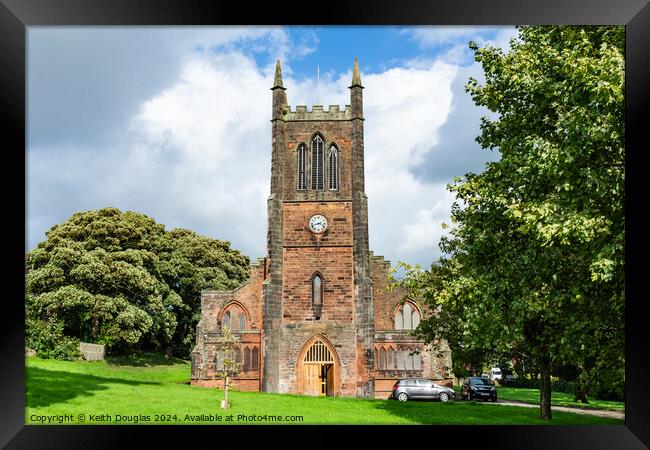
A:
17, 15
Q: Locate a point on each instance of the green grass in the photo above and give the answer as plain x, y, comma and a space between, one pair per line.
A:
150, 386
557, 399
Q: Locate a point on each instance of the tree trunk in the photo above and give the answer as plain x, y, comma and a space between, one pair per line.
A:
580, 393
545, 388
225, 392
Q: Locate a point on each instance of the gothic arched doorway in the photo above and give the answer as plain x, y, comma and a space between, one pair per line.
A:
318, 368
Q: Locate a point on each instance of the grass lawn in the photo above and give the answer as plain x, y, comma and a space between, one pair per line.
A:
557, 399
157, 389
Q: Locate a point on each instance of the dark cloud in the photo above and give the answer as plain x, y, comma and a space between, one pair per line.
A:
457, 152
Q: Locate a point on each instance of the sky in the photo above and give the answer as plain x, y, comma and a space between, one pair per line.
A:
174, 123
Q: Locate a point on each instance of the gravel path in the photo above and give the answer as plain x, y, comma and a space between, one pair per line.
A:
591, 412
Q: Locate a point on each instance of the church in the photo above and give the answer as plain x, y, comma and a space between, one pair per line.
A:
316, 316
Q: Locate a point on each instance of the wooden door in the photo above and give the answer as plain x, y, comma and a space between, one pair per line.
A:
318, 370
311, 379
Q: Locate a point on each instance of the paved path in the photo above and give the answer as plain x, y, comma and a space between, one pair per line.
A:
591, 412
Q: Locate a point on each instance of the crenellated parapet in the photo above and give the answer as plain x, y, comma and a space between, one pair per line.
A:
317, 113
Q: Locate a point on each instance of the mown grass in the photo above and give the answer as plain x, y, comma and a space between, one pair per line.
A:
527, 395
148, 386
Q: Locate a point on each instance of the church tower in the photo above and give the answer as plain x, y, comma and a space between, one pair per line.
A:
318, 325
316, 316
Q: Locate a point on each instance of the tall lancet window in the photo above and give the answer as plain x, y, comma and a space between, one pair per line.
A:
317, 290
302, 166
333, 158
317, 156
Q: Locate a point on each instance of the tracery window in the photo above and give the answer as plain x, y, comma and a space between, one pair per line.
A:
301, 156
317, 160
234, 318
407, 317
333, 169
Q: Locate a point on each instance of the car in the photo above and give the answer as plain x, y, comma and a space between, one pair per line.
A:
478, 388
495, 374
420, 388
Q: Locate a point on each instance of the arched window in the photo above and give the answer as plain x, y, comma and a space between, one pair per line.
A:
407, 317
247, 359
317, 290
255, 357
417, 361
333, 162
409, 359
400, 360
382, 359
391, 358
317, 157
234, 318
301, 156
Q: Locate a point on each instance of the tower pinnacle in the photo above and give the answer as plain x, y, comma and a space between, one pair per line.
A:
277, 82
356, 77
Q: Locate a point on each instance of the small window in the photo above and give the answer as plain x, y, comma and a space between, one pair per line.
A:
247, 359
242, 322
391, 359
226, 319
382, 359
400, 360
255, 357
317, 290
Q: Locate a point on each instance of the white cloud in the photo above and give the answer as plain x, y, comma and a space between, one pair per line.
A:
197, 153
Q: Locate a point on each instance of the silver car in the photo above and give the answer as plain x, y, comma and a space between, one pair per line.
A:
419, 388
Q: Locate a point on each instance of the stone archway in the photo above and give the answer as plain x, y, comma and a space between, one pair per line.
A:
317, 368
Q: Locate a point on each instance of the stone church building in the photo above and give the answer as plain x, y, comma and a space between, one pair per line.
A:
316, 317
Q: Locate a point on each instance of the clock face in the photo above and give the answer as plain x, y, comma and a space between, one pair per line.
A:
317, 223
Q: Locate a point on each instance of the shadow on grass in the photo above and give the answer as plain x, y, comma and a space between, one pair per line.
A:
143, 360
46, 387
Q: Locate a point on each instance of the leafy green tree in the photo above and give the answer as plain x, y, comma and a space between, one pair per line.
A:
107, 277
535, 261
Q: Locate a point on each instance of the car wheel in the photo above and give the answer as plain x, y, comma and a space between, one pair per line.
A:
402, 397
444, 397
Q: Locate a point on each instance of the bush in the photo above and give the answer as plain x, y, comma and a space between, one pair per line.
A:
48, 341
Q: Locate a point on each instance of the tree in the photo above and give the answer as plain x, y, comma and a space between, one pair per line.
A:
227, 364
119, 279
535, 260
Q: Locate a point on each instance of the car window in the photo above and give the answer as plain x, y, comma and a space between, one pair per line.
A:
409, 383
480, 381
424, 383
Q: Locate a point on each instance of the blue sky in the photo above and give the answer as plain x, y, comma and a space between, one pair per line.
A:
173, 122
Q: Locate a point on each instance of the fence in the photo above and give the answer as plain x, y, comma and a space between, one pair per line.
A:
91, 352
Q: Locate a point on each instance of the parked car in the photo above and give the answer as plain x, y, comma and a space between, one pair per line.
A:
478, 388
495, 374
419, 388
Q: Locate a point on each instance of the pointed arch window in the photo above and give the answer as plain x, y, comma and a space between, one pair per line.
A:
333, 169
317, 290
302, 167
234, 317
255, 356
317, 159
407, 317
